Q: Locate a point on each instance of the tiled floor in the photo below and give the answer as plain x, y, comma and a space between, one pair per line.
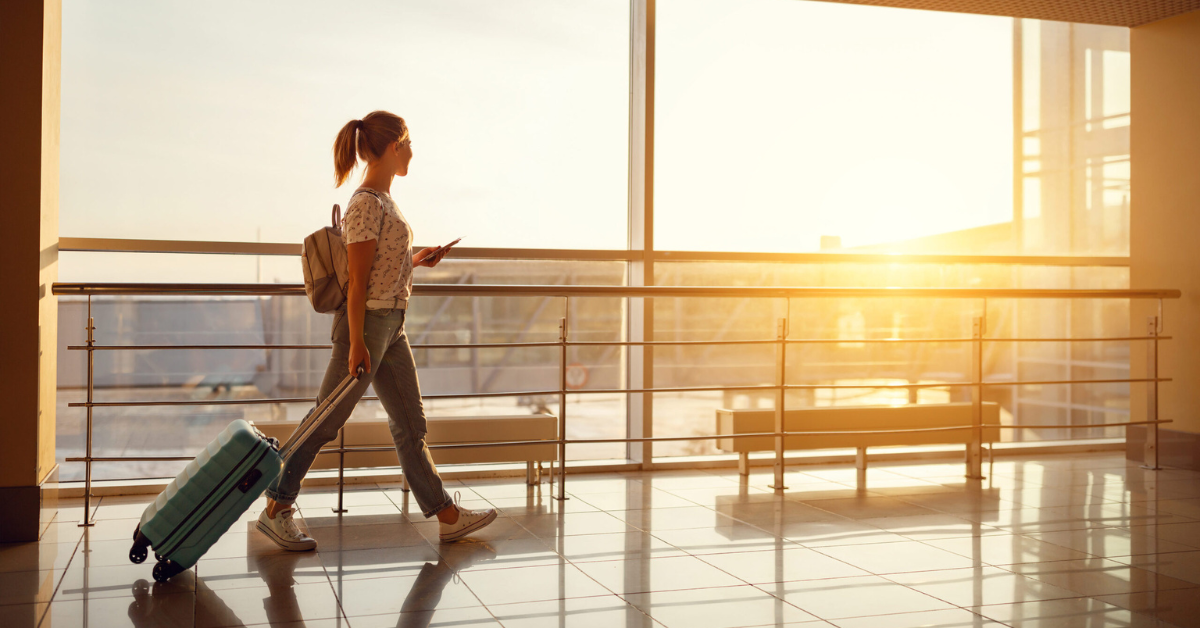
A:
1059, 541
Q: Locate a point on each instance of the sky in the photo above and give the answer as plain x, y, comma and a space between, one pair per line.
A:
777, 122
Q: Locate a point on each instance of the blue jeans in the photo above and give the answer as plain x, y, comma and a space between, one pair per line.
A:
394, 373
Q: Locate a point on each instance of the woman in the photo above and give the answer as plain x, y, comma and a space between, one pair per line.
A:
369, 332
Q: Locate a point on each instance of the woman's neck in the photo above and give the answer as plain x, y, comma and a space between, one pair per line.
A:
378, 179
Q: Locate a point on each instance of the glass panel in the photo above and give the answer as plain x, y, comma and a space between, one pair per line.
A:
807, 126
852, 362
227, 374
224, 132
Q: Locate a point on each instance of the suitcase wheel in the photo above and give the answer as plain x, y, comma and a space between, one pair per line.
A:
137, 553
165, 570
158, 557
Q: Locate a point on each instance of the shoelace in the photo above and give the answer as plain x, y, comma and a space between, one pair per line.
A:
289, 526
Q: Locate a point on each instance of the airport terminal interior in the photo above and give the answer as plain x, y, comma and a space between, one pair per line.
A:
821, 313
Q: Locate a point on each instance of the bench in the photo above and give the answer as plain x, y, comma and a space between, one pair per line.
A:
445, 431
852, 418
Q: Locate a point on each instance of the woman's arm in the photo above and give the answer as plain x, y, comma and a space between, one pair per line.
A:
361, 256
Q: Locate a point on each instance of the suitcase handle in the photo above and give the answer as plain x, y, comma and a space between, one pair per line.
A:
318, 414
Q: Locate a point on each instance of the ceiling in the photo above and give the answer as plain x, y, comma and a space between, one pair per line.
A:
1110, 12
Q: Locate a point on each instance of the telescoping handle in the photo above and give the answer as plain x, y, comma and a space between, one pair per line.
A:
318, 414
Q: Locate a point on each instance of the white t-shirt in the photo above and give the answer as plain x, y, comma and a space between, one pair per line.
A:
367, 218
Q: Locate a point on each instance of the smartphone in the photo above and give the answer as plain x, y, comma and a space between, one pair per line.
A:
442, 249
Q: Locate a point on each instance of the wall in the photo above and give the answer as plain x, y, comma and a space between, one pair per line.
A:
30, 59
1165, 220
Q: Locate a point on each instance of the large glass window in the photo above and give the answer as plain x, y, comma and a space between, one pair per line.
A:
214, 121
809, 126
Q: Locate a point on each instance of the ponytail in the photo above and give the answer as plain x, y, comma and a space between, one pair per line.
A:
367, 138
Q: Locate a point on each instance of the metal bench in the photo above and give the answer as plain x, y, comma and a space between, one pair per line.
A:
446, 430
873, 421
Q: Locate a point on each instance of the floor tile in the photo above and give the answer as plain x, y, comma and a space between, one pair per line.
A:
550, 582
25, 615
956, 618
474, 555
433, 588
471, 617
1187, 534
672, 518
1006, 549
1179, 565
257, 605
1179, 607
342, 538
612, 546
1067, 613
837, 532
855, 597
28, 587
1098, 576
607, 611
979, 586
167, 611
871, 507
126, 580
38, 556
657, 574
384, 562
720, 540
272, 570
896, 557
549, 526
1106, 542
636, 499
796, 563
725, 607
929, 527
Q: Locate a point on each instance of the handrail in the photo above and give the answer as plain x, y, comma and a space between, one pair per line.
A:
977, 384
479, 290
208, 247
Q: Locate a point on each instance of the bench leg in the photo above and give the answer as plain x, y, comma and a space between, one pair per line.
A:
744, 463
552, 474
860, 463
404, 481
529, 473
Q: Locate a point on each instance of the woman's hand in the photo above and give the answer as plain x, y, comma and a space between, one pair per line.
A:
359, 356
426, 258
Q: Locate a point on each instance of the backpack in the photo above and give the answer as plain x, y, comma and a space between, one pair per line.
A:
326, 264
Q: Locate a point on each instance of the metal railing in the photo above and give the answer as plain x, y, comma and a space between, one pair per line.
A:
781, 342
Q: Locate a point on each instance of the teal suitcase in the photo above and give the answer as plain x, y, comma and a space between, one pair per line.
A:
213, 491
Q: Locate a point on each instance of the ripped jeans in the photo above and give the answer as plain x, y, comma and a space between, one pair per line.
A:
394, 373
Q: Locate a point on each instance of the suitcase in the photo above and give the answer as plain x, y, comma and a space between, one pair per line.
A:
213, 491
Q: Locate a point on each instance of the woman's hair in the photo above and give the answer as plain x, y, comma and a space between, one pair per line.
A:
366, 139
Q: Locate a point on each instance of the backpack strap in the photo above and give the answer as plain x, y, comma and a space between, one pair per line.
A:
377, 197
337, 217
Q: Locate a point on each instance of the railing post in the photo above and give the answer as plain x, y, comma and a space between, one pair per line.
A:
780, 394
1150, 453
562, 407
341, 469
91, 369
975, 447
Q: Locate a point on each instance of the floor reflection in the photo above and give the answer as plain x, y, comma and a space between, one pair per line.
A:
1060, 541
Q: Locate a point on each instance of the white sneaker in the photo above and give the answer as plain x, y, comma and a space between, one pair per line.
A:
282, 529
468, 521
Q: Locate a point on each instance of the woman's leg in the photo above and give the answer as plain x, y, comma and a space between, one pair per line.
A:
378, 331
399, 392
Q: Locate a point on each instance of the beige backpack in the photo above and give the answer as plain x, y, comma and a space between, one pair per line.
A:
326, 266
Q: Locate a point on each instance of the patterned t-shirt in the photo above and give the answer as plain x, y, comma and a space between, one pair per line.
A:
367, 218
